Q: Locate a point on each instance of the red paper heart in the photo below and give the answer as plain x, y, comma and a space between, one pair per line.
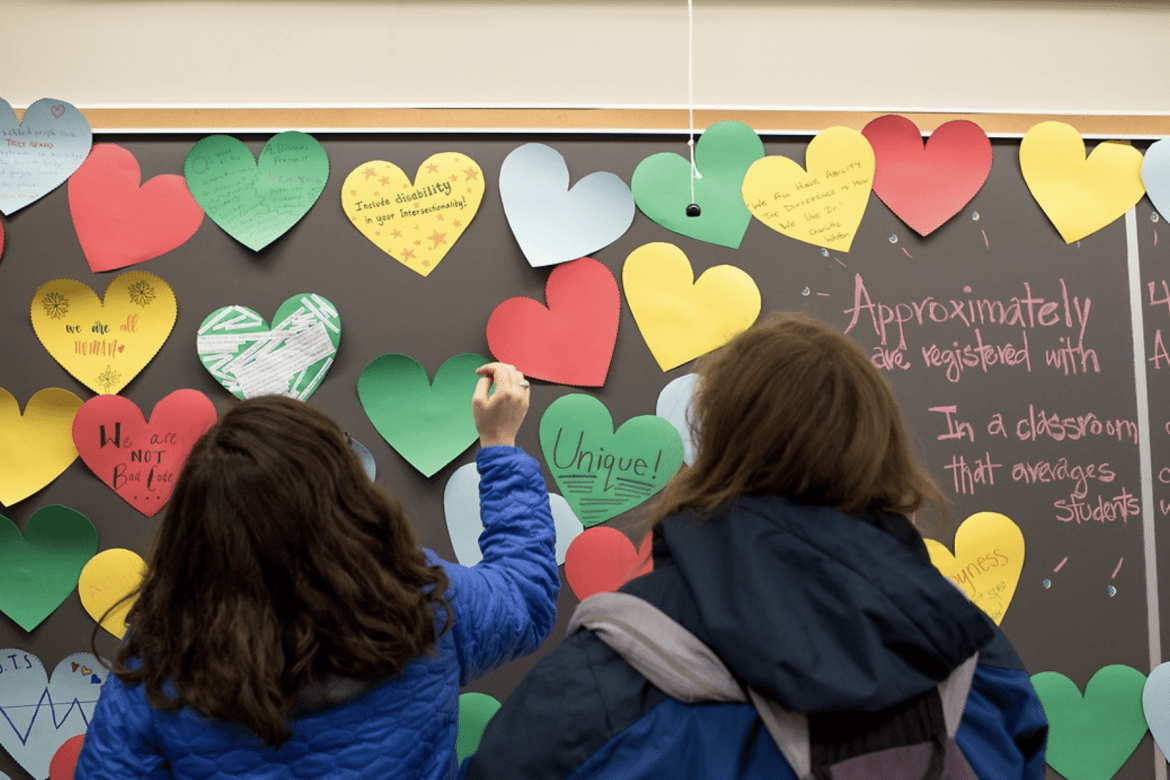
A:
1, 239
64, 761
571, 341
927, 185
603, 559
140, 461
120, 223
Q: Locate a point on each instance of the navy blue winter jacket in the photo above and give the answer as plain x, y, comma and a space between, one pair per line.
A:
820, 611
503, 607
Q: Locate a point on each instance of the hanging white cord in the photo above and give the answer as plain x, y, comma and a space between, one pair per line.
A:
691, 91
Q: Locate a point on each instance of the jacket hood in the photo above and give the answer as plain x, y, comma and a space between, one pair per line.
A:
816, 609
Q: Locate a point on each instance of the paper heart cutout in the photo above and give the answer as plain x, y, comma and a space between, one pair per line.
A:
427, 424
39, 152
927, 184
417, 223
475, 712
570, 342
1, 239
464, 524
1091, 736
141, 461
1079, 194
291, 358
681, 318
119, 220
104, 344
256, 201
1156, 705
603, 472
553, 223
1155, 176
674, 406
821, 204
39, 713
603, 559
37, 447
107, 578
39, 569
662, 184
988, 559
64, 762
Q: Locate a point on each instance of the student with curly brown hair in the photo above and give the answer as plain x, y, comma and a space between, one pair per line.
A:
793, 625
289, 626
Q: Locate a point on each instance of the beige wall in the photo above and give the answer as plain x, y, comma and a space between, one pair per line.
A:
983, 55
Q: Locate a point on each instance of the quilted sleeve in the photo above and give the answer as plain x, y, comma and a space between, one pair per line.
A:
119, 742
505, 605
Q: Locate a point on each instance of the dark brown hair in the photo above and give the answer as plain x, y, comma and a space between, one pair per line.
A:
792, 408
278, 563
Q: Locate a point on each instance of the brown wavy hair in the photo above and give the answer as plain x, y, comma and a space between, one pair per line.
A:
278, 563
792, 408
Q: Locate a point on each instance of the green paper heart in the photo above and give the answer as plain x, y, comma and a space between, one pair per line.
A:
661, 185
257, 202
291, 358
40, 569
603, 473
428, 424
1090, 737
475, 712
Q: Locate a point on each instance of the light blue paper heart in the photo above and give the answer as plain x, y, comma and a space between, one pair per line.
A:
553, 223
1156, 704
674, 404
38, 715
39, 153
1156, 175
464, 524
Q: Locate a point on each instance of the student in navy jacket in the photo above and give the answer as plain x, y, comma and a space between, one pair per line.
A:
290, 627
786, 550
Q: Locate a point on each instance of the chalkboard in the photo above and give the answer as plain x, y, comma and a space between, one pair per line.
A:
991, 319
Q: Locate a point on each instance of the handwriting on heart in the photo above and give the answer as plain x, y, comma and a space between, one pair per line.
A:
603, 559
291, 358
140, 461
681, 318
553, 223
570, 342
427, 424
39, 569
821, 204
104, 344
40, 714
119, 220
415, 223
106, 580
464, 523
1091, 736
662, 185
988, 559
40, 152
603, 472
256, 201
927, 184
35, 448
1079, 194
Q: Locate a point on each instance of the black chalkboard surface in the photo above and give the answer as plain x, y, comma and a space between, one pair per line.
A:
1011, 353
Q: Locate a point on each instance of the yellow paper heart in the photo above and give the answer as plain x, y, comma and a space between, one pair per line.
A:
1080, 195
823, 204
35, 448
681, 318
988, 559
417, 223
104, 345
106, 579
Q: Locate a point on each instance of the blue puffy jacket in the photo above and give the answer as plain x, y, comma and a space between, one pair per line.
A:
821, 612
503, 607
